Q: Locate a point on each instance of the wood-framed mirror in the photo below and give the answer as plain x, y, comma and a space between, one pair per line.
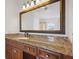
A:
47, 17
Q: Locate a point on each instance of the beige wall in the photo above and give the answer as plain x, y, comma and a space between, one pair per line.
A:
69, 18
11, 16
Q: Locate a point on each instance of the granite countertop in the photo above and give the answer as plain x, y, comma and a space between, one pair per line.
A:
58, 44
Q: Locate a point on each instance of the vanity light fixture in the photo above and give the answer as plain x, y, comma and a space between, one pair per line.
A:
32, 3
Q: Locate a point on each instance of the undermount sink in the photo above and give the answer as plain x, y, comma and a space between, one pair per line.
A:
22, 38
32, 41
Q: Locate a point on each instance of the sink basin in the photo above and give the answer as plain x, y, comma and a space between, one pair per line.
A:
21, 38
32, 41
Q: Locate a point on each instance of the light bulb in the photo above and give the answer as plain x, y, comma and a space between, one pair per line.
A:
32, 3
23, 7
37, 1
28, 4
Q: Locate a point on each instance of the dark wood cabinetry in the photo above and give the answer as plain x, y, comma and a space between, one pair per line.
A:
17, 50
8, 51
17, 53
43, 54
30, 49
67, 57
13, 52
28, 56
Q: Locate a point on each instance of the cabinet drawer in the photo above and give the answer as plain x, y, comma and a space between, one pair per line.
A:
17, 53
27, 48
15, 43
30, 49
44, 54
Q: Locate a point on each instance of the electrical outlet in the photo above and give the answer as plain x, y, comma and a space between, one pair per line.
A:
51, 39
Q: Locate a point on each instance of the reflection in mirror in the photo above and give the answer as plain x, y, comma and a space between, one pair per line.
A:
45, 18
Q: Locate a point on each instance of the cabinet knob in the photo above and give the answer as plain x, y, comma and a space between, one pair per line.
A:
28, 48
47, 56
14, 51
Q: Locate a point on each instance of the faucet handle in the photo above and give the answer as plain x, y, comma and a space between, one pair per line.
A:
26, 34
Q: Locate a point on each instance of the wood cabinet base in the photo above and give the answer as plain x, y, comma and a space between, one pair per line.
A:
17, 50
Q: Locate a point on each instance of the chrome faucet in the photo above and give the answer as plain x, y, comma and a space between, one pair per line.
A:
26, 34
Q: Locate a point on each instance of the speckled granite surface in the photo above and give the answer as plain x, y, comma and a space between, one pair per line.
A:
58, 44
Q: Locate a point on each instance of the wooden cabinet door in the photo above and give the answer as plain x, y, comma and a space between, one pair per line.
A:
8, 51
12, 50
44, 54
50, 56
17, 53
30, 49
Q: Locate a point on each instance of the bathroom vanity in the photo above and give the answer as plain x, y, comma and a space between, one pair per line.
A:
46, 17
37, 47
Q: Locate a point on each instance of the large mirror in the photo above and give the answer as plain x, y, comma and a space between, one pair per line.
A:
46, 19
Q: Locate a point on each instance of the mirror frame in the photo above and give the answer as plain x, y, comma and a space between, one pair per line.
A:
62, 18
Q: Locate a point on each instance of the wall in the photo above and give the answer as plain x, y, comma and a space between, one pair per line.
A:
12, 22
69, 19
11, 16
